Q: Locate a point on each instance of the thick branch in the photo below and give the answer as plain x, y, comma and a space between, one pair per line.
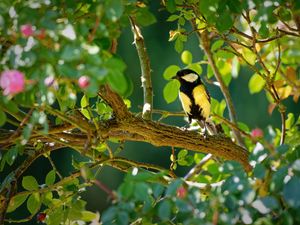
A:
136, 129
145, 69
114, 101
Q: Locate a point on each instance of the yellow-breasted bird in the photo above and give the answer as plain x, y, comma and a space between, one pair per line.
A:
193, 95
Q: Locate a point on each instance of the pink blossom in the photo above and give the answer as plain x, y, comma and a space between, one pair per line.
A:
12, 82
49, 81
27, 30
181, 192
257, 133
83, 81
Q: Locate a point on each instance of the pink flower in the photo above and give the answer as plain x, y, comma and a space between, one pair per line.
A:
84, 82
49, 81
12, 82
257, 133
27, 30
181, 192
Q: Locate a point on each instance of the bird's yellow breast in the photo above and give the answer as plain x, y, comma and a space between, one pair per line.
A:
202, 100
185, 102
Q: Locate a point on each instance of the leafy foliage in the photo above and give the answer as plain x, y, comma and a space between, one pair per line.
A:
56, 57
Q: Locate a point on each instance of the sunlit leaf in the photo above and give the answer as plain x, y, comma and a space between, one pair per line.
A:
170, 91
170, 71
34, 203
30, 183
196, 67
186, 57
256, 83
16, 201
50, 178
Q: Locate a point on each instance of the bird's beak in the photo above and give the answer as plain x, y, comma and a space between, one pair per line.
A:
175, 77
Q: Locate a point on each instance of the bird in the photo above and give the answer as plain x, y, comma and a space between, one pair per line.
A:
194, 97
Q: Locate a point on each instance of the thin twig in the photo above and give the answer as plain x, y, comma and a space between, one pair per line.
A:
53, 166
104, 188
197, 168
206, 46
145, 69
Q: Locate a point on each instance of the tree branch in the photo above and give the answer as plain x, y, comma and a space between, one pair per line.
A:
145, 69
136, 129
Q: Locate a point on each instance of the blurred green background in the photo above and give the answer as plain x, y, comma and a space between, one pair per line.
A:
251, 109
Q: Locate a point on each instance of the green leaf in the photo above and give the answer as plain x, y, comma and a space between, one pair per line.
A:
114, 9
178, 45
88, 216
118, 81
183, 153
47, 198
122, 218
10, 106
186, 57
15, 202
55, 217
172, 18
2, 118
115, 63
170, 91
141, 191
256, 83
196, 67
291, 192
144, 17
126, 189
12, 154
249, 55
86, 172
170, 71
103, 43
290, 121
109, 215
282, 149
218, 107
84, 102
234, 6
171, 6
30, 183
259, 171
224, 22
34, 203
263, 30
71, 53
216, 45
164, 210
210, 72
50, 178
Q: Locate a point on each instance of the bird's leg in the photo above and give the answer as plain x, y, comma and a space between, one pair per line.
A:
203, 127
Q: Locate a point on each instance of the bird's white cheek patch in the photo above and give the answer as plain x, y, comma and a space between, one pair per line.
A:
201, 99
186, 102
191, 77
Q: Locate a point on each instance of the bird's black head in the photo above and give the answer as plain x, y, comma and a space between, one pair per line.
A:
187, 76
